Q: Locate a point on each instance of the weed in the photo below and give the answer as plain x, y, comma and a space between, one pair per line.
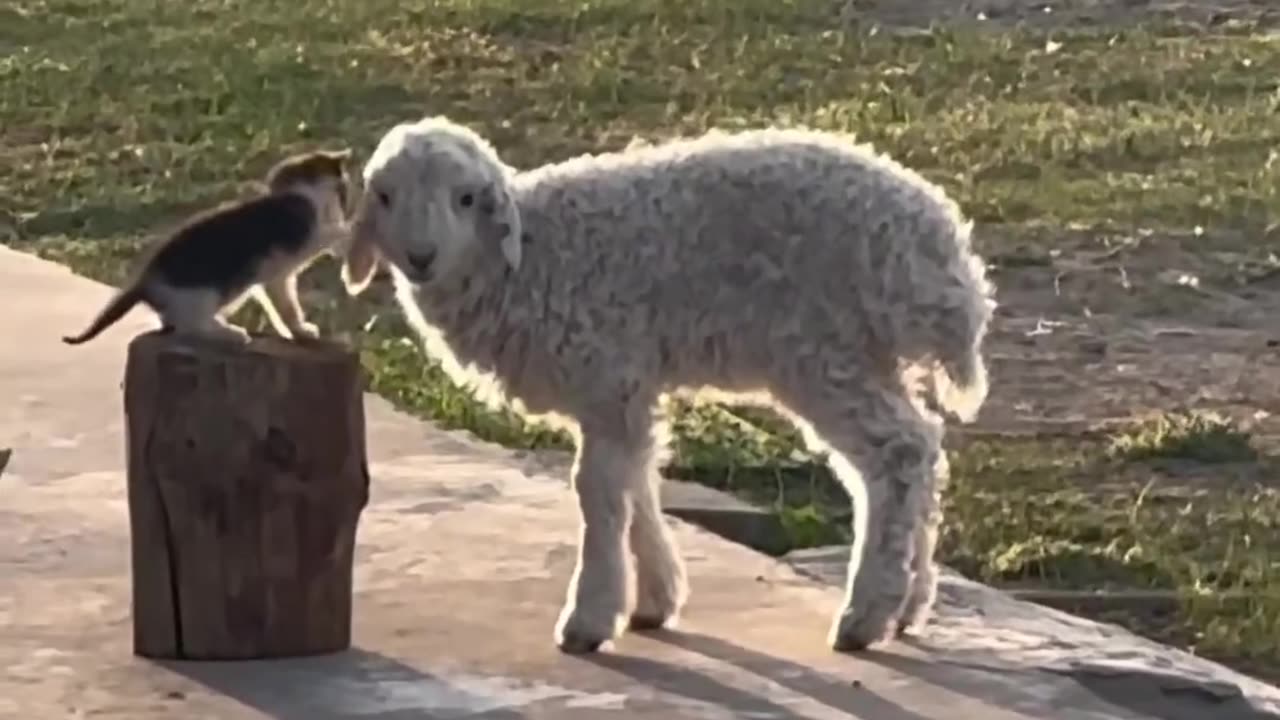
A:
1198, 436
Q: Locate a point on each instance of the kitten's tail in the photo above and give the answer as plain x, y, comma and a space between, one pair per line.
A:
122, 303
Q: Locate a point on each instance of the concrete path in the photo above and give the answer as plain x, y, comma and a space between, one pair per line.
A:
464, 551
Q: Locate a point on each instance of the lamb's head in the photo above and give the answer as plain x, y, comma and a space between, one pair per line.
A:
436, 201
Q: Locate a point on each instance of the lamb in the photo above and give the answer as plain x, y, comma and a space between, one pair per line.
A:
782, 267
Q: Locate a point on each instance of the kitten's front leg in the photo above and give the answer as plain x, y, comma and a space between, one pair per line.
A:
279, 298
220, 329
233, 307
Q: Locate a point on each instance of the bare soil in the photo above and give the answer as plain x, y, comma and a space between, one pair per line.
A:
1051, 13
1099, 329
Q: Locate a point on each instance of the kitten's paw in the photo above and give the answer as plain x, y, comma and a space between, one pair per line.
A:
216, 332
232, 334
305, 331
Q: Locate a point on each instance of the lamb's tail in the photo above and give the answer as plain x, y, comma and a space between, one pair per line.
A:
960, 385
122, 303
965, 305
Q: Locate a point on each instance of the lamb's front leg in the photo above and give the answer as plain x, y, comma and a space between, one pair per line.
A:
601, 591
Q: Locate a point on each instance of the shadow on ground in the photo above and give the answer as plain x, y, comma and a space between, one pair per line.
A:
682, 681
1143, 692
352, 684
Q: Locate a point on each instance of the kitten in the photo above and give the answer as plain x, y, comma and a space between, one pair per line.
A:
206, 269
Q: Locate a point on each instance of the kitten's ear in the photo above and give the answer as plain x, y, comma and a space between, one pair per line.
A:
502, 220
338, 160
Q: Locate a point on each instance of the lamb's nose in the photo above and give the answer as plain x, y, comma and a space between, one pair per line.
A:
421, 261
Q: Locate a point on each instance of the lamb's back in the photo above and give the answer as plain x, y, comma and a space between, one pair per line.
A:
729, 218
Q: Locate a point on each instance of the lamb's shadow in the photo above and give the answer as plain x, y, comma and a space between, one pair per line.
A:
688, 684
833, 692
684, 682
351, 684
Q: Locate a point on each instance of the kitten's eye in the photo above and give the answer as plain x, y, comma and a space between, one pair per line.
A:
384, 198
467, 200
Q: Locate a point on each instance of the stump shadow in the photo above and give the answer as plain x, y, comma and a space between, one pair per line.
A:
352, 684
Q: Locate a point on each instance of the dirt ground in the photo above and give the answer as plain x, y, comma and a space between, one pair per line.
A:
1098, 329
922, 13
1095, 329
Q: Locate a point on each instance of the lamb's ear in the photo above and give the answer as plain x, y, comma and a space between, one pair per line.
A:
503, 220
358, 265
360, 258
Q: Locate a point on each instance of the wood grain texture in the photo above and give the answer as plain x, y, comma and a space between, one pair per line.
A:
247, 474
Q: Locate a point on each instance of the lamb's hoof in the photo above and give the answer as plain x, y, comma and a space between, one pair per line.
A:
658, 605
575, 644
914, 619
657, 621
855, 632
910, 627
579, 634
918, 608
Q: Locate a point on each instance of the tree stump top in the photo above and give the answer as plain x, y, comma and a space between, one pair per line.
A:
271, 346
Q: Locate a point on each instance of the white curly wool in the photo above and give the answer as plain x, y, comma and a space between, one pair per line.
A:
782, 267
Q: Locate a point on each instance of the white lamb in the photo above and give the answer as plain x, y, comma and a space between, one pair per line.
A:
783, 267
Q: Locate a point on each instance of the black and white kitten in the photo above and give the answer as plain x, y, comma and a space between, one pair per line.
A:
204, 271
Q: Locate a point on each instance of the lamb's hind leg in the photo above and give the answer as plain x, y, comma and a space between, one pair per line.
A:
924, 580
661, 582
883, 451
602, 589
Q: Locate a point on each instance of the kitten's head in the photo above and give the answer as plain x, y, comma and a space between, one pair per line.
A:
324, 170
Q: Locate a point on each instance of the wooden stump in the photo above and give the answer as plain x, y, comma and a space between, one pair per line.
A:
247, 476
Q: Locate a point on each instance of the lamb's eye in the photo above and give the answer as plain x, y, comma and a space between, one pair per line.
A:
467, 200
384, 198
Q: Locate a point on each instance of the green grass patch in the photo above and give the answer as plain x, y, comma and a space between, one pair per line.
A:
119, 114
1068, 512
1198, 436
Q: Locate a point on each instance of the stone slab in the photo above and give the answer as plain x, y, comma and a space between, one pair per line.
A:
726, 516
464, 552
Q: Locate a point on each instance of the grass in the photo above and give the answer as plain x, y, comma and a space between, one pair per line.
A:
1070, 512
119, 116
1205, 437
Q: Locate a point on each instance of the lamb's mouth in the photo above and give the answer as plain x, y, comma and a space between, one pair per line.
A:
416, 276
